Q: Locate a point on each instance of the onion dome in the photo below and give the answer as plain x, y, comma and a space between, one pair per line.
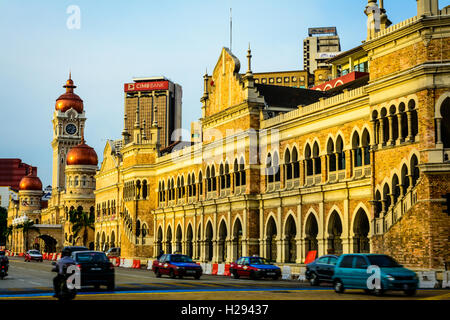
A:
69, 99
30, 182
82, 154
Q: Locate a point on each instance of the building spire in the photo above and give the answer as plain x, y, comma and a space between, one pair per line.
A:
249, 59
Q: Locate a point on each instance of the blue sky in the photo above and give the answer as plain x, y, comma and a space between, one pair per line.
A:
119, 40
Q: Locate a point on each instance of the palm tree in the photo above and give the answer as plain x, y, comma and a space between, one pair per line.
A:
26, 227
81, 223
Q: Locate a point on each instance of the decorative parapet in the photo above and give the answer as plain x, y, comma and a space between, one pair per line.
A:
315, 107
396, 27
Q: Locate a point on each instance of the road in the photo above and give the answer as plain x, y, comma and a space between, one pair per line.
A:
33, 280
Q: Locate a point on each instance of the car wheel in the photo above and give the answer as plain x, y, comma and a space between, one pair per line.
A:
411, 292
97, 286
235, 274
196, 277
172, 274
314, 280
157, 273
252, 275
276, 278
180, 277
339, 286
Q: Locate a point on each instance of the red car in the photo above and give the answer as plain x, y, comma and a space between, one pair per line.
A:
33, 255
176, 265
254, 268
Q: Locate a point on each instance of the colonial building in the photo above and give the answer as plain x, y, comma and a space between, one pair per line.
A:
362, 167
74, 168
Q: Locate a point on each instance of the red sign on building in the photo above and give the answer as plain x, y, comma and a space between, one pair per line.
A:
146, 86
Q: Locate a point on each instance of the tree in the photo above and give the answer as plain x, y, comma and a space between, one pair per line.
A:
26, 227
81, 223
3, 225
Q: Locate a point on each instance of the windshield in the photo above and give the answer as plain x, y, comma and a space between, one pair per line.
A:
91, 257
383, 262
258, 261
34, 252
180, 259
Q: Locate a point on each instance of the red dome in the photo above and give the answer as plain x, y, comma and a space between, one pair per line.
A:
30, 182
82, 154
69, 99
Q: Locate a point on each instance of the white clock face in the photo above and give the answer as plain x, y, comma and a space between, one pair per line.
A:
71, 129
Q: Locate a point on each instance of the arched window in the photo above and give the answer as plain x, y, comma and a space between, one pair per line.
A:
357, 151
340, 153
331, 156
194, 189
316, 158
222, 177
414, 118
213, 178
365, 143
138, 189
200, 183
237, 176
242, 171
415, 172
445, 124
227, 175
385, 130
269, 169
295, 163
287, 165
309, 161
144, 190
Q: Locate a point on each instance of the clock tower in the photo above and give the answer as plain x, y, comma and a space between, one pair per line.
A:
68, 131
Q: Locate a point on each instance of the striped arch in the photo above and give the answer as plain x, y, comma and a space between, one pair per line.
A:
341, 216
289, 214
266, 222
437, 107
361, 205
315, 214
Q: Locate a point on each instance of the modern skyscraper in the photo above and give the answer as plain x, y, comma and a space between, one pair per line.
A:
321, 44
149, 96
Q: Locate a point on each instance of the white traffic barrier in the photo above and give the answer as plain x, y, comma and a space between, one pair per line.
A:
128, 263
286, 273
203, 265
122, 262
221, 269
427, 279
446, 279
149, 264
208, 268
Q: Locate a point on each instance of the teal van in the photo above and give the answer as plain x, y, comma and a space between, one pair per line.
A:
352, 271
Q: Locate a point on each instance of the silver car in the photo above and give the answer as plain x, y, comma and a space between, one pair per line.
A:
33, 255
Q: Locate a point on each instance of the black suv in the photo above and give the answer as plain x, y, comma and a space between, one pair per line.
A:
321, 269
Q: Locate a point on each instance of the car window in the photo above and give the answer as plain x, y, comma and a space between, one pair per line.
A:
34, 252
180, 258
360, 262
383, 261
246, 261
239, 261
91, 257
323, 260
258, 260
163, 258
332, 260
346, 262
